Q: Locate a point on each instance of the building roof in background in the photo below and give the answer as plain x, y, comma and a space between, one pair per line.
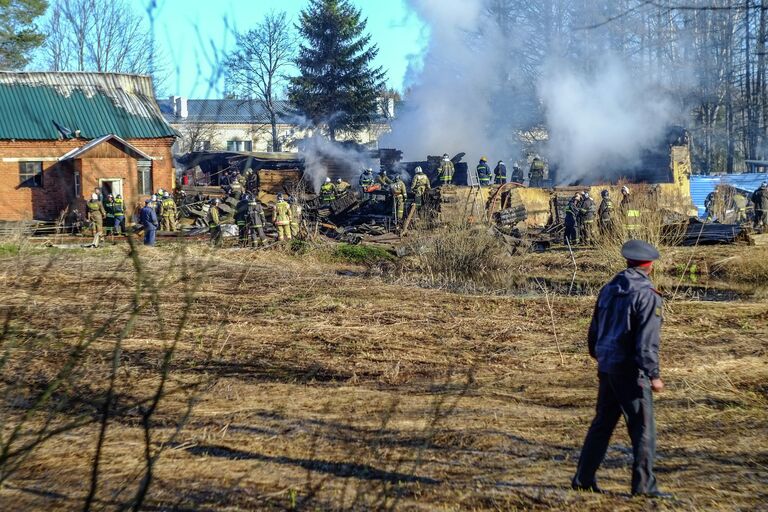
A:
228, 111
54, 105
701, 186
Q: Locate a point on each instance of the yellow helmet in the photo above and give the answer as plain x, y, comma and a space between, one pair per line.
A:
483, 159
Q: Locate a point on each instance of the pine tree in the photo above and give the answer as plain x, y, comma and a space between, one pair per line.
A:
338, 88
19, 35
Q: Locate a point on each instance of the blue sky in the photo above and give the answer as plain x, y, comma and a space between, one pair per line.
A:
194, 36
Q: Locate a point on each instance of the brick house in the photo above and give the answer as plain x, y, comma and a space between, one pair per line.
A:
64, 134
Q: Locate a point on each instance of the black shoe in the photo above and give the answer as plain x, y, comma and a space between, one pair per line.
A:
658, 495
589, 488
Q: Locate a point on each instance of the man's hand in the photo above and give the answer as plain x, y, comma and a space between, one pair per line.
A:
657, 386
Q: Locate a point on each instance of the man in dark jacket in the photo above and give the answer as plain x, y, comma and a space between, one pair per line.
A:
148, 219
760, 200
624, 337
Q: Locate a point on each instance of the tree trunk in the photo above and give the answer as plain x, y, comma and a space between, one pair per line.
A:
273, 121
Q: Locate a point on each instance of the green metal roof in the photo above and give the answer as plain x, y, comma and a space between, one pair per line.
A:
96, 104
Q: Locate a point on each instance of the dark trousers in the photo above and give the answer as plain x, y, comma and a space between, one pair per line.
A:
571, 235
630, 396
119, 225
149, 236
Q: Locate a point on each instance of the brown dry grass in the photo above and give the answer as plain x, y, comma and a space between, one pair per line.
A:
324, 392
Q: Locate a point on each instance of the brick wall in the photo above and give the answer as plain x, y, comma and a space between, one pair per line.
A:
58, 192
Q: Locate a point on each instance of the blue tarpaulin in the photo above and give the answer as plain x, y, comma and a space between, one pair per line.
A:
701, 186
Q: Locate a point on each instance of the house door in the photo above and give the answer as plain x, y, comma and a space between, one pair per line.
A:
112, 186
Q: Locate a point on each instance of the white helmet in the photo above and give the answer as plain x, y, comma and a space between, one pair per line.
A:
418, 170
95, 197
338, 180
154, 197
625, 190
327, 180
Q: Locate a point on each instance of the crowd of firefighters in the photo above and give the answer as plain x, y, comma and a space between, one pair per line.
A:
106, 213
583, 217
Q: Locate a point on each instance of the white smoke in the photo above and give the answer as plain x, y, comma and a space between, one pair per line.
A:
326, 159
478, 88
447, 109
601, 120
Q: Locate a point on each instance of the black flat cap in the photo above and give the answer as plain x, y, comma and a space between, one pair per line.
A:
637, 250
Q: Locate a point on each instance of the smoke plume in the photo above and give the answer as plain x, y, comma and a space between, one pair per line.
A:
325, 159
505, 80
447, 107
600, 121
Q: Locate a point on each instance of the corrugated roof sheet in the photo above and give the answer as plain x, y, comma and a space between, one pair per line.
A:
230, 111
97, 104
227, 111
701, 186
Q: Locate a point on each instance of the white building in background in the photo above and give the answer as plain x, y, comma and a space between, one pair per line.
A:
243, 125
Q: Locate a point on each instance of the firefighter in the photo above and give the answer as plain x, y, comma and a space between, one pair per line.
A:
629, 211
281, 216
500, 173
484, 172
446, 170
241, 219
342, 187
383, 180
740, 204
710, 203
399, 194
536, 172
236, 187
96, 215
571, 220
760, 200
586, 218
419, 186
168, 213
119, 212
624, 337
517, 174
327, 191
214, 223
605, 213
255, 221
366, 179
296, 212
109, 208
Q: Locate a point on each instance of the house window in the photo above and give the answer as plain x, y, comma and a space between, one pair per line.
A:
202, 145
239, 145
31, 174
145, 177
77, 184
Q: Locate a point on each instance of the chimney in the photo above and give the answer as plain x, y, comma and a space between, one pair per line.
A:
180, 107
173, 104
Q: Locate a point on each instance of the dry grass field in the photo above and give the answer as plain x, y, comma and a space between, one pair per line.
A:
274, 381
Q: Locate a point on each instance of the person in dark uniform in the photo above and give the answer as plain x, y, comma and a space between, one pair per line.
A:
571, 220
624, 337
